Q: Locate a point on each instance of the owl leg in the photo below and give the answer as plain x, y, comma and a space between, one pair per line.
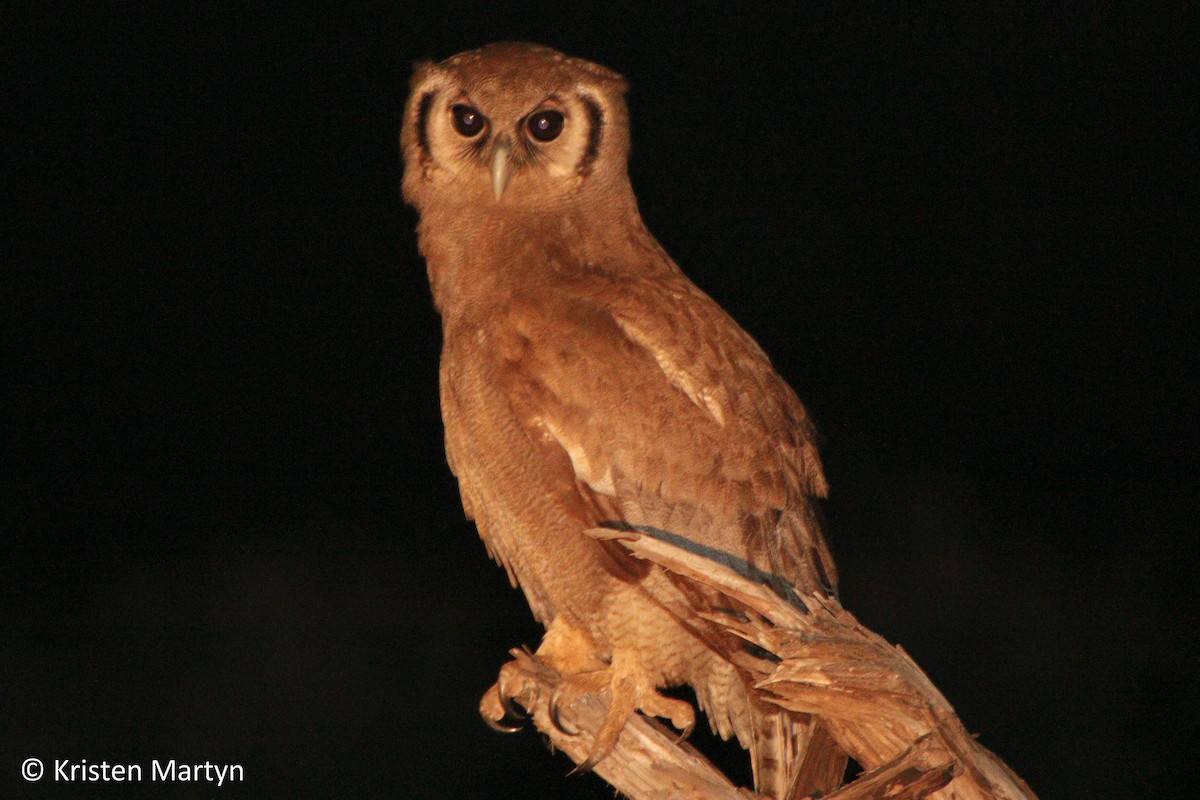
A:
583, 674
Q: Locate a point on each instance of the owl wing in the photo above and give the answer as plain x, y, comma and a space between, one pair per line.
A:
663, 415
673, 420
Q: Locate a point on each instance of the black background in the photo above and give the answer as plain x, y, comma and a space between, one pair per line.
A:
968, 239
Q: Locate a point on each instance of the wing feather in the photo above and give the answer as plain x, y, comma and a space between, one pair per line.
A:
687, 428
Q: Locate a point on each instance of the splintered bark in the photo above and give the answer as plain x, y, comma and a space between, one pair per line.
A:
648, 761
876, 703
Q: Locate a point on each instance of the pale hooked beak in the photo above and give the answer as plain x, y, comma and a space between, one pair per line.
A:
501, 154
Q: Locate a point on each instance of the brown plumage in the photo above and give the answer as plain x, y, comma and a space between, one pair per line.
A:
587, 383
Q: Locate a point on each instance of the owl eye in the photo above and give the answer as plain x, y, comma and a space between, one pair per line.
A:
545, 126
467, 120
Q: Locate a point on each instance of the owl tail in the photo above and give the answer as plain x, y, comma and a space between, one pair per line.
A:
793, 755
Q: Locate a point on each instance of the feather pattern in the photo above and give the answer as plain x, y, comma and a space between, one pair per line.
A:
587, 383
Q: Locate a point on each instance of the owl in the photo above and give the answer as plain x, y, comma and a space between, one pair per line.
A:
588, 384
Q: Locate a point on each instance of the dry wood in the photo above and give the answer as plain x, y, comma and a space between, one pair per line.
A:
648, 761
876, 703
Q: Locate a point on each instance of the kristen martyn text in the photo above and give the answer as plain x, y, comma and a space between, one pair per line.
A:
83, 771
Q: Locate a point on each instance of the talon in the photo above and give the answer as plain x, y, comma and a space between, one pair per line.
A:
679, 713
500, 713
583, 767
556, 718
686, 732
512, 710
503, 726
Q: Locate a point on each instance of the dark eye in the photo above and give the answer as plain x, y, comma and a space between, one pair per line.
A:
545, 126
467, 120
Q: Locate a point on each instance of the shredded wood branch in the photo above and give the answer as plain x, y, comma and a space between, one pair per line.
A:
648, 760
875, 702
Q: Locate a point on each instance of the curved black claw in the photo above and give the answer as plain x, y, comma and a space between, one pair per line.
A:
556, 718
686, 733
504, 725
583, 767
513, 719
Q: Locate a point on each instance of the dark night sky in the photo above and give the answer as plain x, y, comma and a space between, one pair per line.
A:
229, 534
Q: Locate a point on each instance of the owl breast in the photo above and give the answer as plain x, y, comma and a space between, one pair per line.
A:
520, 486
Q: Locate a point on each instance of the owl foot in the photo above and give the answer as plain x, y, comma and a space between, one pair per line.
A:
631, 690
578, 696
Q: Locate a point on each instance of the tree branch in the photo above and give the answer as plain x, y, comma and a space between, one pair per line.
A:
877, 704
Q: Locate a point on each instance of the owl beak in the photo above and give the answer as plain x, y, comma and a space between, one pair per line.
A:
501, 154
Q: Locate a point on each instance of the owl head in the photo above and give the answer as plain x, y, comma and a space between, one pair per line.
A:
513, 125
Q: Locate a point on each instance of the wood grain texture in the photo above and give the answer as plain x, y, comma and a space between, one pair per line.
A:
869, 695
